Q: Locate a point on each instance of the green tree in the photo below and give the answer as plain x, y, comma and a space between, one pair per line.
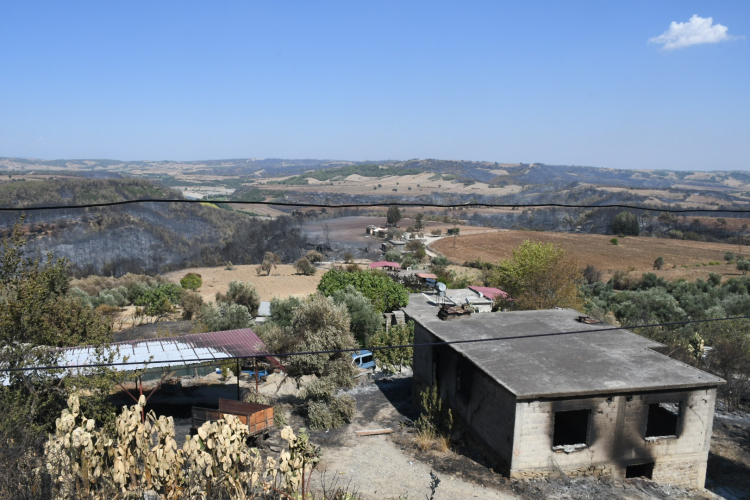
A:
270, 261
384, 293
303, 266
320, 325
159, 301
191, 281
37, 312
743, 265
393, 215
225, 316
626, 223
659, 263
241, 293
282, 310
191, 303
419, 221
393, 359
365, 319
539, 276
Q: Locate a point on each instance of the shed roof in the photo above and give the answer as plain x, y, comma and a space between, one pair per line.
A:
427, 276
489, 292
578, 364
384, 263
178, 351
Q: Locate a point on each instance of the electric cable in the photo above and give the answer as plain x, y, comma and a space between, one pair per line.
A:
334, 351
375, 204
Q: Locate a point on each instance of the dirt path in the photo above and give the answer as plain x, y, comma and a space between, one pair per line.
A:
386, 466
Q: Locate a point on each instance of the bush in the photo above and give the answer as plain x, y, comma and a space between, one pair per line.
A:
659, 263
743, 265
436, 232
303, 266
191, 303
591, 274
191, 281
729, 256
325, 415
314, 256
282, 310
614, 241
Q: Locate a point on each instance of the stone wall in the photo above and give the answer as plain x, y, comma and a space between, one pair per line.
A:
616, 438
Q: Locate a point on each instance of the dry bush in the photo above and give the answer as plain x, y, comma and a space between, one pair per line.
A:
442, 444
141, 456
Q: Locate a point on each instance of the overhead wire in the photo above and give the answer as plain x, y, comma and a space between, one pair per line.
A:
377, 204
335, 351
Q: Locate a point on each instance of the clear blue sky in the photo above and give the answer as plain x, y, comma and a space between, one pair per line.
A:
560, 82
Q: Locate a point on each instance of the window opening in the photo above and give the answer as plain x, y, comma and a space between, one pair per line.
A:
662, 419
571, 427
365, 359
640, 470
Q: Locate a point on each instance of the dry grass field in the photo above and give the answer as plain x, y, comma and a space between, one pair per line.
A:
636, 254
283, 281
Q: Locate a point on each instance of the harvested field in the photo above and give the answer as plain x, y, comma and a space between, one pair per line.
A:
636, 254
283, 281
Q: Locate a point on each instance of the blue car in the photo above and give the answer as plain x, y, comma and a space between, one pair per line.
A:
363, 359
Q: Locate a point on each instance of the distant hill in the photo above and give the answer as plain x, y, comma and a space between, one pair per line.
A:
144, 237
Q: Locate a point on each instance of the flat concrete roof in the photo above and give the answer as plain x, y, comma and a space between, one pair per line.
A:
578, 364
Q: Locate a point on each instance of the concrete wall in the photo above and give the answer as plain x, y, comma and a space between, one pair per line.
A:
617, 427
483, 408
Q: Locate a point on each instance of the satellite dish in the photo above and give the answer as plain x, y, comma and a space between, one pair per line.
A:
441, 286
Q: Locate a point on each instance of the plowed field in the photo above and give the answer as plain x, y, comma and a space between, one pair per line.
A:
636, 254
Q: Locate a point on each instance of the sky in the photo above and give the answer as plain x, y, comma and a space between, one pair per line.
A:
636, 84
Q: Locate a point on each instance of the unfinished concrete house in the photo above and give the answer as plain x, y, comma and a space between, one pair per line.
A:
589, 403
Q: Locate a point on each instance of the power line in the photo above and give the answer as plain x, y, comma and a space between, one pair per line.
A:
377, 204
334, 351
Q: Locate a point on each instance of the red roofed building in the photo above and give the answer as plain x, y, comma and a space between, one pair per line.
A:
489, 292
384, 264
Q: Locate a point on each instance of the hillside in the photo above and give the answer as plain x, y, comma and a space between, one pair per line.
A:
145, 237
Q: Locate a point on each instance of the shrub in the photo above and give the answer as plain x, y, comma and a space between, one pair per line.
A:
729, 256
303, 266
743, 265
436, 232
659, 263
191, 303
614, 241
325, 415
314, 256
591, 274
436, 419
191, 281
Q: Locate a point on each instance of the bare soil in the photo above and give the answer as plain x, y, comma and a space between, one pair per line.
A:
282, 283
682, 258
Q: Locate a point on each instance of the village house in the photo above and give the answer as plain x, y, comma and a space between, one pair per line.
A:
598, 403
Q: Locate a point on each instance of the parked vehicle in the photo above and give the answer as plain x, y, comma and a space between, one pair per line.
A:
363, 359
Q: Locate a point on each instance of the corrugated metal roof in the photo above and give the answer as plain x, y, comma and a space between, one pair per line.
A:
183, 350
